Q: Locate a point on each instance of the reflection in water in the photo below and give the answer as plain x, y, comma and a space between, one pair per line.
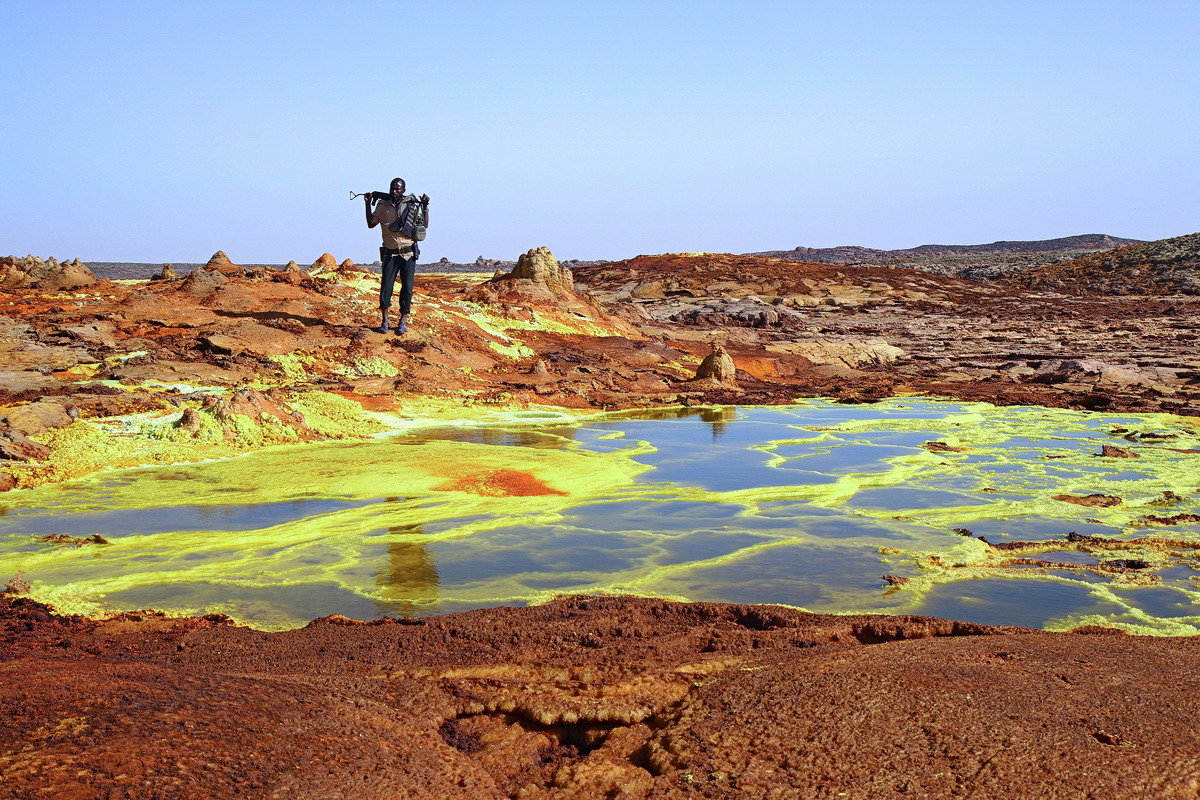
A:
409, 578
542, 438
719, 418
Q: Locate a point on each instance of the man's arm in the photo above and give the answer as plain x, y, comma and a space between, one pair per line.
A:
425, 207
371, 221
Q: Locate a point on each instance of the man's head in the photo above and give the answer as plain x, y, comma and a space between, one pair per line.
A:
397, 188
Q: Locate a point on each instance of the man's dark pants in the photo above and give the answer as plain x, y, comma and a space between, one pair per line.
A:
395, 265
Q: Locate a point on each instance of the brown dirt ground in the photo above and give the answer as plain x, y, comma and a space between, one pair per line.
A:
583, 698
591, 698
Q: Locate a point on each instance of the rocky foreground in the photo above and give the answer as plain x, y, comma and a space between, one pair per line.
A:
583, 698
591, 698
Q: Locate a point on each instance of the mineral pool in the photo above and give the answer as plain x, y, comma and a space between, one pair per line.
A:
809, 505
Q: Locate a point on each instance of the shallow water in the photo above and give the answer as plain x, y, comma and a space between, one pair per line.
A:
806, 505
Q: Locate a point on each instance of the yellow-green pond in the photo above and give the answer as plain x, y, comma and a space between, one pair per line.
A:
806, 505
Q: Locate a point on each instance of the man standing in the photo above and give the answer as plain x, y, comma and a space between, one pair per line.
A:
398, 253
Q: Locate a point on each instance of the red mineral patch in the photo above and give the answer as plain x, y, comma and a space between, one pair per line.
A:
380, 402
758, 367
499, 483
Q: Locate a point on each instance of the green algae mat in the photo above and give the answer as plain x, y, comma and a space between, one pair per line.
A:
962, 510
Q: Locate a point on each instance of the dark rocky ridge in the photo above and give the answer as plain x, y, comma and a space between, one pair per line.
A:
972, 261
1161, 267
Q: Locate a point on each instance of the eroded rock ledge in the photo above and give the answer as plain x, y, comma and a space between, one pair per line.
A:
610, 697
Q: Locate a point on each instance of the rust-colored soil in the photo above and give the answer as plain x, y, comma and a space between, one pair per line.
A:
592, 698
499, 483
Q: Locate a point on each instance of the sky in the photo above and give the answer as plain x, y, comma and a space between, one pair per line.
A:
154, 131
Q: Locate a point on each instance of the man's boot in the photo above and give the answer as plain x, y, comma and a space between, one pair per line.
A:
403, 326
383, 326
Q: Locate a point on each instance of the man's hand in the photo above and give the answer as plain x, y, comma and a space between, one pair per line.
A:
424, 199
367, 198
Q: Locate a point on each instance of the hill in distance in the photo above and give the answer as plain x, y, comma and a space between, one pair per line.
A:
973, 261
1164, 266
852, 253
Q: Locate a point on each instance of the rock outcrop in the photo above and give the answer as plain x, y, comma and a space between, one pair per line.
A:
16, 447
202, 281
17, 585
348, 267
841, 352
537, 282
32, 272
256, 405
220, 263
540, 266
37, 417
167, 273
718, 366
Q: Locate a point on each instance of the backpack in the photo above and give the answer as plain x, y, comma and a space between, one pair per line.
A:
411, 222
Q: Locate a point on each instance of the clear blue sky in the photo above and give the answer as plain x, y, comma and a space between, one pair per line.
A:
162, 131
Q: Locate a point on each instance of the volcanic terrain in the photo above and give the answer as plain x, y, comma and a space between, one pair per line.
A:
585, 697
